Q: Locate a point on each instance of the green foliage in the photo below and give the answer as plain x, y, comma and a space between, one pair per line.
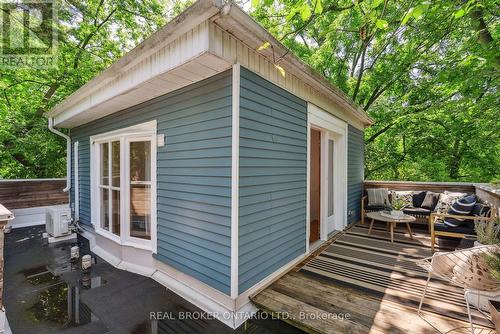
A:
493, 263
425, 71
488, 231
92, 35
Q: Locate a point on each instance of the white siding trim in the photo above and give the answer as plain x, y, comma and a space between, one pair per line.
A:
336, 129
76, 180
235, 166
308, 185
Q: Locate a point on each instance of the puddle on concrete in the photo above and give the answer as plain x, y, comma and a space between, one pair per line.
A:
33, 271
60, 304
40, 276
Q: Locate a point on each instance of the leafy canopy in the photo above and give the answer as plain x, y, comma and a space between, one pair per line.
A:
425, 71
92, 35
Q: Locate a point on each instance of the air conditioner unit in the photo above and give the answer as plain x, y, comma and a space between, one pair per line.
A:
57, 221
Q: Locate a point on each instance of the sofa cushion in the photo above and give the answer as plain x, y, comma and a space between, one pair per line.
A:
461, 206
378, 196
445, 201
430, 200
418, 198
466, 228
404, 196
417, 211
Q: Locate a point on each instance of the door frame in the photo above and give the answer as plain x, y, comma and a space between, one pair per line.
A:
330, 127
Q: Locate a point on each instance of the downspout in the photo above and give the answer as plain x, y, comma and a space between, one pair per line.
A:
68, 152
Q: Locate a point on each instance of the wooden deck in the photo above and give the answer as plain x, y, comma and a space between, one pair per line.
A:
362, 283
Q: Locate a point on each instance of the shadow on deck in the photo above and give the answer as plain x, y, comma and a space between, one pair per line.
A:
363, 283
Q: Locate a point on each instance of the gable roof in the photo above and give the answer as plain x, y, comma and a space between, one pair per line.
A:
168, 60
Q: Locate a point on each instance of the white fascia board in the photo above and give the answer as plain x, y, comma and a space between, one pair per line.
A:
185, 47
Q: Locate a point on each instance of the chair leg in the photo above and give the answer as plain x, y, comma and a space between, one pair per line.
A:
423, 295
466, 294
433, 241
419, 311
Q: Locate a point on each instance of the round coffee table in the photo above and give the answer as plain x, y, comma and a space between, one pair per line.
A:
391, 221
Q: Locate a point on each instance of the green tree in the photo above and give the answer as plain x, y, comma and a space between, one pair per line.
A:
426, 72
92, 34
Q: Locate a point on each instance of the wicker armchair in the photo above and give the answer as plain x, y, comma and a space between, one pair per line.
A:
462, 268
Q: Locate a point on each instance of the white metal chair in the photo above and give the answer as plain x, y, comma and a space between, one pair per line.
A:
461, 268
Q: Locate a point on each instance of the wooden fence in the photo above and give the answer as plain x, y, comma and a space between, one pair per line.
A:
18, 194
438, 187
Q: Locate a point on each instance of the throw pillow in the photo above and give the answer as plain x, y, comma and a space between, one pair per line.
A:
462, 206
378, 197
418, 199
480, 209
445, 201
405, 196
430, 201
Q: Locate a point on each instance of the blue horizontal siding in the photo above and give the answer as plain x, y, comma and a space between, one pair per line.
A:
273, 179
194, 175
355, 172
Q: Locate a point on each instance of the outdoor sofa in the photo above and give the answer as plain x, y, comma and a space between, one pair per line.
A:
439, 211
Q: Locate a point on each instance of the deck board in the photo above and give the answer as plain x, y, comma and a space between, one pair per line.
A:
328, 285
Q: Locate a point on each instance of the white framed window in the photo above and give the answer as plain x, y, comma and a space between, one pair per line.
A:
123, 177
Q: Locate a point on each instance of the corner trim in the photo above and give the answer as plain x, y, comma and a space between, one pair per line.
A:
235, 166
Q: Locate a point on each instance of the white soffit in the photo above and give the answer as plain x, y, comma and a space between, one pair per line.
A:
125, 94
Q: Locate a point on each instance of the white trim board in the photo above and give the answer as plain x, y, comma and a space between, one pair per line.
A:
337, 130
76, 179
235, 184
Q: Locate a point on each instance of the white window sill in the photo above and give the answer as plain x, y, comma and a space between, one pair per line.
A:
125, 243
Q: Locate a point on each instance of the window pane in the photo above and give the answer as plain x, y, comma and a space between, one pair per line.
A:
330, 177
140, 161
104, 163
115, 218
140, 189
115, 163
140, 211
105, 209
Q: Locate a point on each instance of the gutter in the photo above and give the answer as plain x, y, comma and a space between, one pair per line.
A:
68, 152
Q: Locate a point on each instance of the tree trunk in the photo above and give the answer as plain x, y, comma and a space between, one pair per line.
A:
455, 160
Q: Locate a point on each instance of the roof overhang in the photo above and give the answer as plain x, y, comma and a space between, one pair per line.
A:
179, 54
234, 20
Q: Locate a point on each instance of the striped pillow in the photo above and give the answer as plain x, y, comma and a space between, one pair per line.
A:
463, 207
378, 197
